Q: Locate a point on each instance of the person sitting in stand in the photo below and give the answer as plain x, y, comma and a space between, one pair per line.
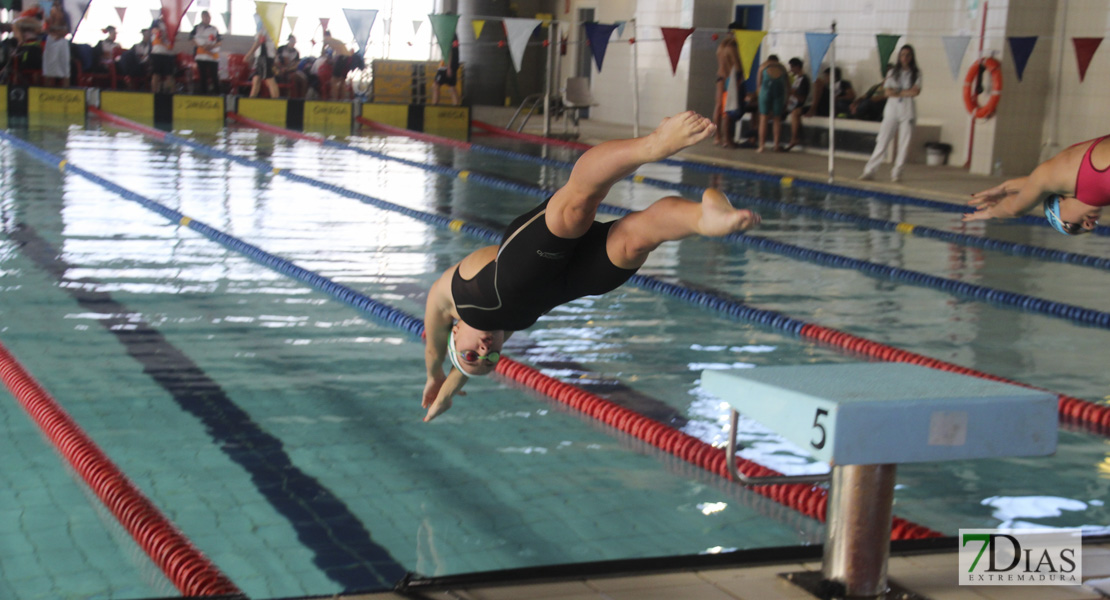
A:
286, 68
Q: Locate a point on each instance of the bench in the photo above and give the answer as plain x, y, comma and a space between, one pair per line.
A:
855, 138
863, 419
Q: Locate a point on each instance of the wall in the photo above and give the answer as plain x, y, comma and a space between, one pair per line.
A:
1044, 112
1076, 111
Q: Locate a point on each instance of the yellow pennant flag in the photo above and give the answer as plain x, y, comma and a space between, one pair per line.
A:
748, 42
477, 24
271, 14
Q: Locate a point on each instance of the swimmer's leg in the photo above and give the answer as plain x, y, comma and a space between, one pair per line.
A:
572, 209
634, 236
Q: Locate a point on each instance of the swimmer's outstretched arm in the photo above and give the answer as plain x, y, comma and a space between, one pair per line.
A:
1016, 197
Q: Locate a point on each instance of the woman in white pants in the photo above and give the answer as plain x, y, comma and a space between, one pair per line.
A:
902, 85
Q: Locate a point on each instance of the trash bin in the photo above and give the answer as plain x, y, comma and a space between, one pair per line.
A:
936, 153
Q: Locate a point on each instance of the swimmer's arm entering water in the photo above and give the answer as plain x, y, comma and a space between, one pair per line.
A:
438, 319
1016, 197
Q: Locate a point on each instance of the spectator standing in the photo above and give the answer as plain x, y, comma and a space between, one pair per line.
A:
163, 65
263, 65
55, 53
771, 91
796, 104
104, 53
727, 94
207, 40
448, 75
903, 84
340, 66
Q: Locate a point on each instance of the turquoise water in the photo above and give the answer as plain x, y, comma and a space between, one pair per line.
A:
280, 429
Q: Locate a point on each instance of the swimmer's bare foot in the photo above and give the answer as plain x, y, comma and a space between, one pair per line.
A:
719, 217
680, 131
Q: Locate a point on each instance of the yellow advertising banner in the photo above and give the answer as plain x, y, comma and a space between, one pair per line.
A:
198, 108
328, 117
396, 115
56, 102
137, 106
448, 121
267, 110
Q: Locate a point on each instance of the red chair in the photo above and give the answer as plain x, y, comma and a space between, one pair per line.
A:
324, 74
186, 71
238, 73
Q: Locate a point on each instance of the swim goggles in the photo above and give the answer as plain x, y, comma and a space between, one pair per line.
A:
471, 356
1052, 213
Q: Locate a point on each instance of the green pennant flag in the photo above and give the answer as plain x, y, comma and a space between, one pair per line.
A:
887, 42
444, 28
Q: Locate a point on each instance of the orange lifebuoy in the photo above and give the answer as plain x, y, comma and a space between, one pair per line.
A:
971, 95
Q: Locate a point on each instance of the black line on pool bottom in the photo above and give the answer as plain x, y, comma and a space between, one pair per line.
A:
342, 547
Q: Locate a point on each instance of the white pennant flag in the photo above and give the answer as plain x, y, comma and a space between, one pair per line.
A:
519, 32
955, 46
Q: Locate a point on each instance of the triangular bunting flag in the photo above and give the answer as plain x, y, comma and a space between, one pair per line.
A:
75, 12
227, 19
172, 12
444, 27
324, 23
271, 14
886, 43
518, 32
1084, 51
477, 25
416, 26
155, 13
748, 43
1022, 48
817, 44
955, 46
120, 10
361, 22
620, 28
292, 23
598, 36
192, 16
674, 38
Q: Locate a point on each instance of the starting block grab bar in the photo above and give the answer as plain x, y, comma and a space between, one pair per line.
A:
865, 418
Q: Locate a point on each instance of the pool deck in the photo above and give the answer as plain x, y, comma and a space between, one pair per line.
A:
930, 575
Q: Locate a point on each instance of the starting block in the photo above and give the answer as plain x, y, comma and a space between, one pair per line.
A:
865, 418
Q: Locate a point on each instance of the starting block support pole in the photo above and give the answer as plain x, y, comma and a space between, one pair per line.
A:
857, 533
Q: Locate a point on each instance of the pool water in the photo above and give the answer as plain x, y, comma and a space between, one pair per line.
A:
281, 429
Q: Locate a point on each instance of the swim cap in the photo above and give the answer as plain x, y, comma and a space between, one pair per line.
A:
1052, 213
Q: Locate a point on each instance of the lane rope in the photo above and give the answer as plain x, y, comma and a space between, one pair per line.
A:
190, 571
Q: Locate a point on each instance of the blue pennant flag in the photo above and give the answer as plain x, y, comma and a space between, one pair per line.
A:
1021, 48
599, 35
818, 44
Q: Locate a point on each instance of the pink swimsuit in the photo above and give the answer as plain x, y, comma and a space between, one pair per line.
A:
1092, 186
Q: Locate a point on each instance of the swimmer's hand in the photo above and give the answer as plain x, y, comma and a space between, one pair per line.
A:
438, 393
989, 199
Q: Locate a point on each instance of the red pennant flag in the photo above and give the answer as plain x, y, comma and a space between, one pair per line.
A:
172, 11
1084, 51
324, 23
675, 37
